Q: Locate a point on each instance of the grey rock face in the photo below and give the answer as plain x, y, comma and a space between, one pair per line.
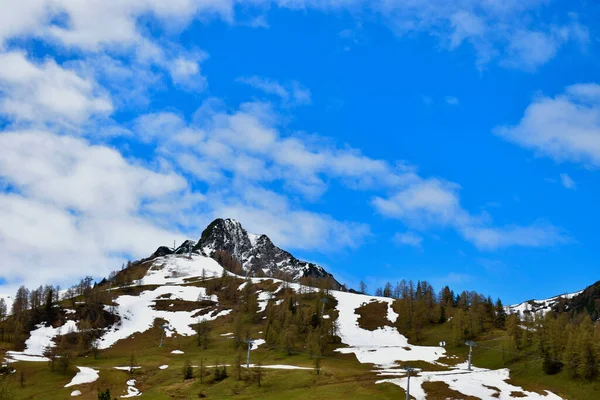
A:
256, 253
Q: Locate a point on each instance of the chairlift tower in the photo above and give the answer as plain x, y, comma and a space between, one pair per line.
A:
162, 338
408, 371
471, 344
250, 342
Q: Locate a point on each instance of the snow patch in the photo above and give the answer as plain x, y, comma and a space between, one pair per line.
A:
256, 343
478, 384
85, 375
138, 315
382, 347
280, 366
40, 340
177, 352
132, 391
75, 393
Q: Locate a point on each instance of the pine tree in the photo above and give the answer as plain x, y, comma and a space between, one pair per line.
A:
571, 355
3, 309
500, 317
587, 368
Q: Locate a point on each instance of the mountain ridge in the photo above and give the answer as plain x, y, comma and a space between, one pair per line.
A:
256, 253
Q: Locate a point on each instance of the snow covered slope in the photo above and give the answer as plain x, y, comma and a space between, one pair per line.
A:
388, 350
384, 349
539, 307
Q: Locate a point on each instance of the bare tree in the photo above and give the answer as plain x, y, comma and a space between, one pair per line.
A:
258, 373
363, 287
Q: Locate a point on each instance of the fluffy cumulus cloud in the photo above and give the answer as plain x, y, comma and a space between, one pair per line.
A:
431, 203
74, 208
565, 127
46, 92
246, 150
247, 146
510, 31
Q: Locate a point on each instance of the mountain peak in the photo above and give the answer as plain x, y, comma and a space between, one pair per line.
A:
257, 253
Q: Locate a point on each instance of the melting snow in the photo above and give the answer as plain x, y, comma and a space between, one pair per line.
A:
85, 375
132, 391
480, 383
256, 343
538, 307
138, 315
177, 352
383, 346
75, 393
174, 270
39, 340
279, 366
163, 367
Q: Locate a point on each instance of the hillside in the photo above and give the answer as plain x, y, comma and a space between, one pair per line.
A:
307, 342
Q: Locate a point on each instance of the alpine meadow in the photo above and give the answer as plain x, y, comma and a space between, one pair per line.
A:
299, 199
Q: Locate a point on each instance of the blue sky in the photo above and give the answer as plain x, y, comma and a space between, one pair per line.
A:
457, 143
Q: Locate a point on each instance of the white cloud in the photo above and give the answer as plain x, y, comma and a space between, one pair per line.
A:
46, 92
292, 93
248, 144
453, 101
536, 235
408, 239
435, 204
565, 127
511, 32
567, 181
78, 208
291, 228
245, 149
95, 24
185, 71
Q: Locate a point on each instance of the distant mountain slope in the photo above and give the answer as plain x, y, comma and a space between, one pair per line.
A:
540, 307
587, 300
257, 253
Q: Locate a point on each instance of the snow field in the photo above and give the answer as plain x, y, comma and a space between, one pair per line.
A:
385, 347
40, 340
382, 347
138, 315
85, 375
480, 383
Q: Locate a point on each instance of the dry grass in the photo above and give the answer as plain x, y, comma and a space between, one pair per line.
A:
441, 391
181, 305
373, 315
